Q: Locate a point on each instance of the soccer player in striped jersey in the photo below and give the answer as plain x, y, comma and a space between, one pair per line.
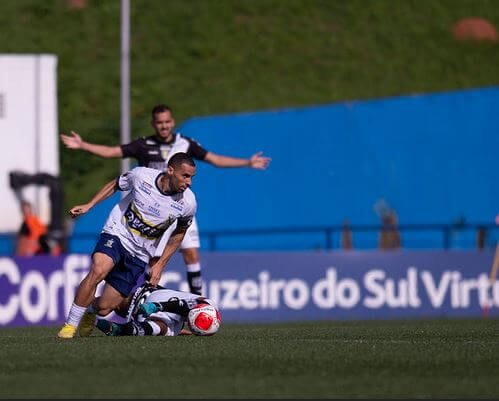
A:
154, 151
154, 311
130, 236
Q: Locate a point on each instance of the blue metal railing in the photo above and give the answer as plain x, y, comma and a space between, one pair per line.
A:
486, 235
482, 231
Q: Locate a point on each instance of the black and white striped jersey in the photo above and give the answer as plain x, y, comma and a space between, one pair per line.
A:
152, 153
173, 321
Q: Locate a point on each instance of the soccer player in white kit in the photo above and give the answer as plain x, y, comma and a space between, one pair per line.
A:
130, 236
154, 311
154, 151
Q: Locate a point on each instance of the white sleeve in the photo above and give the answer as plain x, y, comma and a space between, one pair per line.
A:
125, 181
193, 209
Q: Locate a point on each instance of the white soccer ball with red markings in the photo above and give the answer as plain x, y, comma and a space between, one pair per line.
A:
204, 320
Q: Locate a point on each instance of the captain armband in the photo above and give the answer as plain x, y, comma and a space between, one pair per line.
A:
185, 221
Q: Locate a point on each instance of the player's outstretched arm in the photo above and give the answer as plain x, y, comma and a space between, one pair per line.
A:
74, 141
257, 161
105, 192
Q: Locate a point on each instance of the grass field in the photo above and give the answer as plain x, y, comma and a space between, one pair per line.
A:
368, 359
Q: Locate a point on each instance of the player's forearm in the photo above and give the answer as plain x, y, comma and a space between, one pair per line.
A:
105, 192
171, 246
226, 161
102, 150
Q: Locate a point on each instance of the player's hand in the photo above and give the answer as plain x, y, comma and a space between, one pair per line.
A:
259, 162
72, 142
153, 275
79, 210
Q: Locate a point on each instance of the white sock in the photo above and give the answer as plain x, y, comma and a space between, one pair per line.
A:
193, 267
75, 314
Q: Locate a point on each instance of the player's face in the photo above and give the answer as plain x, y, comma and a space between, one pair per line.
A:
163, 124
181, 177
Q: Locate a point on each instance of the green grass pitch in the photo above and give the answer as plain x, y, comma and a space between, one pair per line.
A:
436, 358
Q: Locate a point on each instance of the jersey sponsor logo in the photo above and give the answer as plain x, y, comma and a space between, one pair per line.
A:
137, 224
149, 142
154, 211
109, 243
177, 207
145, 187
153, 152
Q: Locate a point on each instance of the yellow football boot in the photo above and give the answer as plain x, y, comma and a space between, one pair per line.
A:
67, 331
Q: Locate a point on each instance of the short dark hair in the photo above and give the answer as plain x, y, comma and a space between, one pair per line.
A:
160, 108
180, 158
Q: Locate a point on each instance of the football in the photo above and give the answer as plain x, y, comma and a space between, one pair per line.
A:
204, 320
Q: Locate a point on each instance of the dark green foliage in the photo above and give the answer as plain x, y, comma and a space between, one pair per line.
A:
205, 57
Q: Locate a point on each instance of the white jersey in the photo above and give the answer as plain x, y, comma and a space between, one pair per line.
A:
145, 213
152, 152
173, 321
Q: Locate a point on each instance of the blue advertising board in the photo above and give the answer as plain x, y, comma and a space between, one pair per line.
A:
285, 286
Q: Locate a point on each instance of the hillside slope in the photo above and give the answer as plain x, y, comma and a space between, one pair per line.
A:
212, 57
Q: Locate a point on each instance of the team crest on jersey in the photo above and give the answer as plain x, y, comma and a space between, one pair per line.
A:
109, 243
164, 153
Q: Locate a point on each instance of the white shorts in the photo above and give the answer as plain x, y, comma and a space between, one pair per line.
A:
191, 239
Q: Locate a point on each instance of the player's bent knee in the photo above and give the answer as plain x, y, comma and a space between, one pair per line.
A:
96, 275
107, 302
100, 270
101, 263
103, 312
104, 307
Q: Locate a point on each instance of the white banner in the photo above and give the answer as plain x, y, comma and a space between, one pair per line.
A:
28, 130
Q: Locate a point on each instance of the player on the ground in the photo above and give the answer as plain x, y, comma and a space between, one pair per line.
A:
154, 311
154, 151
130, 236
